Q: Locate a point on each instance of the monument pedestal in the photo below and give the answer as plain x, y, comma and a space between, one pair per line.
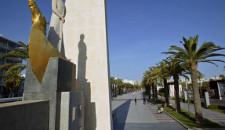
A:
85, 43
59, 77
72, 111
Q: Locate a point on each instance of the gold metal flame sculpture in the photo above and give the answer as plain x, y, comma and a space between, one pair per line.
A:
40, 49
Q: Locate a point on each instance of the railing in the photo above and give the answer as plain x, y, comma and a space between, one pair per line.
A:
14, 59
7, 47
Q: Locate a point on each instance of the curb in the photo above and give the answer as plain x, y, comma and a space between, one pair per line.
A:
177, 121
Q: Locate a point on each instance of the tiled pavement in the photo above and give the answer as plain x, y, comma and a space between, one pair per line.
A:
131, 116
163, 117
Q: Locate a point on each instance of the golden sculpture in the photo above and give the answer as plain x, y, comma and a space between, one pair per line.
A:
40, 49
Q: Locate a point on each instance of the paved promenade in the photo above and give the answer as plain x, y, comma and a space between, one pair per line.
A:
129, 116
212, 115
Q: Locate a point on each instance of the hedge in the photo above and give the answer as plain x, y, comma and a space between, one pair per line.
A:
221, 107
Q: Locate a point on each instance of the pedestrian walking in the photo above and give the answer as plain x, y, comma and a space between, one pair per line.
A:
144, 101
135, 100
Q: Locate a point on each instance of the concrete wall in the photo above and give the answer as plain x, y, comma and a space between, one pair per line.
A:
24, 115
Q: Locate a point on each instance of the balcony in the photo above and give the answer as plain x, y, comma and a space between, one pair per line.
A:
7, 47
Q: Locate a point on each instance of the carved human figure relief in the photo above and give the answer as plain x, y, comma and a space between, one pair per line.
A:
55, 35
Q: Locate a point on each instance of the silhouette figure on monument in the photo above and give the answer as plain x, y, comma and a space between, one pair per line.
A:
83, 85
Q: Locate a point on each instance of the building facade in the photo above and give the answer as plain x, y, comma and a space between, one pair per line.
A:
6, 46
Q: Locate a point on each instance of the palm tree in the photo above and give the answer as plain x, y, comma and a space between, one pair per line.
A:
146, 82
14, 69
165, 74
12, 78
192, 55
112, 82
21, 53
154, 75
176, 69
200, 76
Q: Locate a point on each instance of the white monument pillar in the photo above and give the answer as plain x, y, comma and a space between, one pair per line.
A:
85, 43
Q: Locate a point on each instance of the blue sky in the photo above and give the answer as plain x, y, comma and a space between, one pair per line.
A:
138, 30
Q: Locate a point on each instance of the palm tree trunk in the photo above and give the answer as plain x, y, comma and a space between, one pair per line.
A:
147, 88
150, 94
177, 97
197, 101
155, 86
166, 88
115, 91
153, 91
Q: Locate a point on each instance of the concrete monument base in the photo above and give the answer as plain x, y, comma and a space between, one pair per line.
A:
72, 111
59, 77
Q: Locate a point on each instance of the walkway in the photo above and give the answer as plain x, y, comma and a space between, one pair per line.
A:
129, 116
207, 113
212, 115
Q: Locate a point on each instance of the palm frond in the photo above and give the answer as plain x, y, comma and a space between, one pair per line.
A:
6, 66
23, 45
16, 67
212, 61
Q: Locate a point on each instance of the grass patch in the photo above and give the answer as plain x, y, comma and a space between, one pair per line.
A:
190, 121
218, 110
157, 101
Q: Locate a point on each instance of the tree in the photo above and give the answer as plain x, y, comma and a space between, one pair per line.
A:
176, 69
12, 78
222, 77
146, 82
112, 82
192, 55
154, 75
200, 76
165, 74
14, 69
21, 53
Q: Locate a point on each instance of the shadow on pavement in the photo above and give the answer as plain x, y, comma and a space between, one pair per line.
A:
120, 115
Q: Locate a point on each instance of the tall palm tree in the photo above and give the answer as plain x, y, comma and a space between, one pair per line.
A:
192, 55
165, 74
14, 69
176, 69
154, 75
146, 82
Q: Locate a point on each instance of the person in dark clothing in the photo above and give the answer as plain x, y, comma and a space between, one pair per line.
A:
144, 101
135, 100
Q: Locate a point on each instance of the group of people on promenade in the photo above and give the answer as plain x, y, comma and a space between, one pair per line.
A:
160, 110
135, 100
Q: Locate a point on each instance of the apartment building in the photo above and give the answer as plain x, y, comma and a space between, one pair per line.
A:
6, 46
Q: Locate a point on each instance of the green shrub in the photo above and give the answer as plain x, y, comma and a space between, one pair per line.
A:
213, 106
221, 107
203, 104
181, 100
